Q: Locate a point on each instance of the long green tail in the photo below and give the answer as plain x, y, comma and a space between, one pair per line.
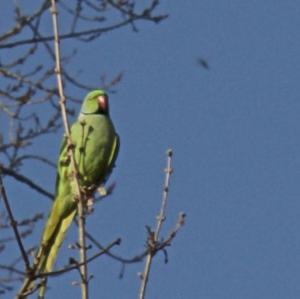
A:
48, 251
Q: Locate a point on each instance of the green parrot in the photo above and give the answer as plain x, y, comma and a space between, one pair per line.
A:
96, 146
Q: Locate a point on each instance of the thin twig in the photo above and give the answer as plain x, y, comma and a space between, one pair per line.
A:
25, 180
11, 269
14, 224
153, 239
90, 32
161, 217
78, 265
135, 259
79, 193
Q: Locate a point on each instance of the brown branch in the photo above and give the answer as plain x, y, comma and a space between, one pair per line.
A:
22, 20
92, 32
153, 236
26, 221
161, 217
36, 157
135, 259
23, 179
23, 235
28, 289
14, 225
79, 264
11, 269
79, 193
167, 242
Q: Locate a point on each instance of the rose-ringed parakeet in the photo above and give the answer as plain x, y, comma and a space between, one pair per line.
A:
96, 146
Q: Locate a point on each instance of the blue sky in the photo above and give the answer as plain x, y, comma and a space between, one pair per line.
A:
234, 130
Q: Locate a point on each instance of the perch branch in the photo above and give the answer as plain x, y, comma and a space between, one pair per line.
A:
79, 194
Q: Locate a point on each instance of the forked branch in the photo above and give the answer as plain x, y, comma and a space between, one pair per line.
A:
153, 243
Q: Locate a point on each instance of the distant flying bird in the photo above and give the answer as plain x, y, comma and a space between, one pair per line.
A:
202, 62
96, 148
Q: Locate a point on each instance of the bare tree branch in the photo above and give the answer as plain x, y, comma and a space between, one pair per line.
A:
91, 33
77, 265
79, 194
153, 243
25, 180
14, 225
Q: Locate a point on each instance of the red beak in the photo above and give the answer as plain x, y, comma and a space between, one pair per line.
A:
103, 103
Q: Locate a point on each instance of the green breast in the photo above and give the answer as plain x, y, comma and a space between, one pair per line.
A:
94, 136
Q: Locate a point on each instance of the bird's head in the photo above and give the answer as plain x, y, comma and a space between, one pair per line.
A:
95, 102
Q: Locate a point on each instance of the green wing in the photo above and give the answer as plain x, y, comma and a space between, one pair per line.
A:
113, 156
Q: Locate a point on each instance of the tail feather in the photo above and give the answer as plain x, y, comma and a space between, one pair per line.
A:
42, 290
65, 223
48, 252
